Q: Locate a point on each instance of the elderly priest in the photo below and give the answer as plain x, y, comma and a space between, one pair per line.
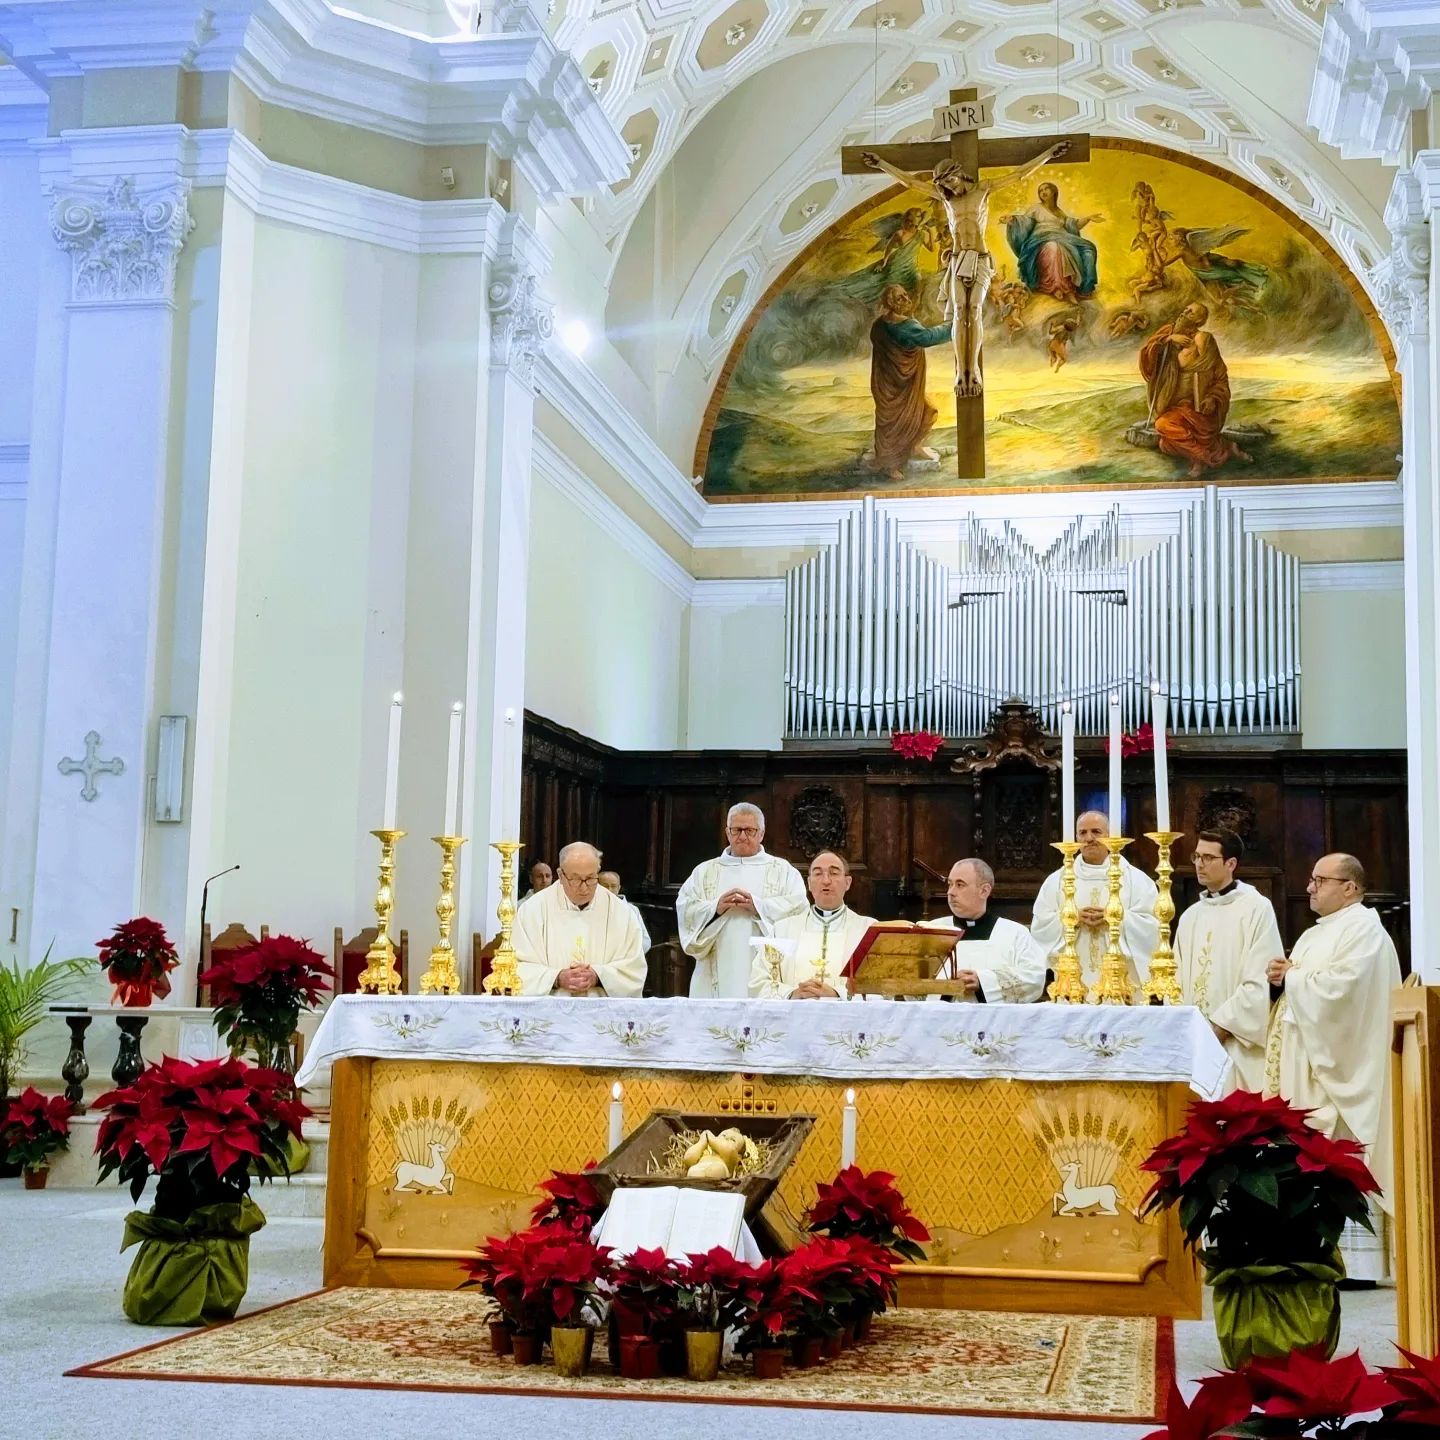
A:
1140, 930
995, 959
728, 901
1329, 1045
575, 937
823, 938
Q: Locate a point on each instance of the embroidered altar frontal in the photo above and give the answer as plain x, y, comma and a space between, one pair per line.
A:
1030, 1187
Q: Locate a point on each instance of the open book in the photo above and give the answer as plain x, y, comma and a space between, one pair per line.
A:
678, 1219
901, 950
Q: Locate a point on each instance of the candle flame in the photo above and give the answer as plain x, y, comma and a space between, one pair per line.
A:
849, 1097
509, 717
1154, 687
456, 708
616, 1091
1065, 707
1114, 699
397, 698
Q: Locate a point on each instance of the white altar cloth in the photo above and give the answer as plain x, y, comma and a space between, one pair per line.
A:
828, 1038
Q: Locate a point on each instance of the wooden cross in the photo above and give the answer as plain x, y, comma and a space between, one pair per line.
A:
960, 122
91, 766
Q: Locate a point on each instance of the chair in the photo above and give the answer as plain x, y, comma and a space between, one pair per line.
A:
350, 959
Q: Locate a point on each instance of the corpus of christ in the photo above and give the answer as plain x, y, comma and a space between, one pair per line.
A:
726, 707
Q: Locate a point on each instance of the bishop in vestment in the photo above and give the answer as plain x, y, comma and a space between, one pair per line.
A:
1140, 930
1223, 947
727, 901
996, 959
1329, 1044
824, 937
575, 937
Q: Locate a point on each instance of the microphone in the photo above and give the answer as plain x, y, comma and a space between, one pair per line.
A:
204, 902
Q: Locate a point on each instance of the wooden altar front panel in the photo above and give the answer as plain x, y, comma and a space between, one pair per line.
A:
1415, 1129
980, 1161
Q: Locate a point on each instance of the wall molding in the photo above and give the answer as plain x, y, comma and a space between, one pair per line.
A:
1373, 575
738, 594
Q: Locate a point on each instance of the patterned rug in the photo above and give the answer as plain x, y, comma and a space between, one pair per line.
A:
950, 1362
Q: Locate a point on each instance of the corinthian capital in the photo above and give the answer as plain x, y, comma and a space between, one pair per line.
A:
1402, 281
521, 322
123, 243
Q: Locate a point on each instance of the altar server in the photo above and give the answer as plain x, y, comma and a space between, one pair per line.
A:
575, 937
825, 935
996, 959
727, 901
1223, 946
1140, 930
1329, 1044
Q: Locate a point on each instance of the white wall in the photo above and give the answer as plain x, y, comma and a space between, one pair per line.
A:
737, 667
605, 650
1352, 658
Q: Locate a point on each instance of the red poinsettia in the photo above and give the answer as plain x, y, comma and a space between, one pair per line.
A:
770, 1307
1136, 742
137, 958
1222, 1401
259, 990
540, 1277
1417, 1389
571, 1201
821, 1274
197, 1126
645, 1286
870, 1206
716, 1290
916, 744
1305, 1386
33, 1126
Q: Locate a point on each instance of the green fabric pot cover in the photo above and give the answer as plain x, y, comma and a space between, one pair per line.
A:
297, 1157
1274, 1309
192, 1271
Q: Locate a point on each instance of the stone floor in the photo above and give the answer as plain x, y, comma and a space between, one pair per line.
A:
60, 1283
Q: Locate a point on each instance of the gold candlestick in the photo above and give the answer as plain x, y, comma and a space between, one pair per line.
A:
775, 962
1068, 986
1163, 984
381, 975
504, 978
442, 978
1114, 986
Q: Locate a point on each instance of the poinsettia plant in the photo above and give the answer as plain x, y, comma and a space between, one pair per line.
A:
870, 1277
715, 1290
822, 1278
137, 958
769, 1309
259, 990
916, 744
869, 1206
571, 1201
196, 1126
33, 1127
541, 1277
1255, 1184
645, 1290
1135, 742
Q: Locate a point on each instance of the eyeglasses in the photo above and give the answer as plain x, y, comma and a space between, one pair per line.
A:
1328, 879
742, 830
585, 881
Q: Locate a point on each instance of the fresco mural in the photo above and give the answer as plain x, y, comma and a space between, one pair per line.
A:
1151, 320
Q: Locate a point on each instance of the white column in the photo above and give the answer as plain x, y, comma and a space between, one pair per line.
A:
103, 438
1409, 297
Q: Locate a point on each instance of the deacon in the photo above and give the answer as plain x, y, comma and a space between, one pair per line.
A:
1329, 1045
576, 938
729, 900
995, 959
1223, 945
1139, 932
825, 935
610, 879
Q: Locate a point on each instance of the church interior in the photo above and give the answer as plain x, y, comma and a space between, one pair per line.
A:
537, 534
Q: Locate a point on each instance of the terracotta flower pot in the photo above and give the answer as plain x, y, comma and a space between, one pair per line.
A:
527, 1349
805, 1351
672, 1355
35, 1179
639, 1357
702, 1353
768, 1362
831, 1347
571, 1347
501, 1337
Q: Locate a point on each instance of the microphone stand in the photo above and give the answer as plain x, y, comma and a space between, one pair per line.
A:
204, 903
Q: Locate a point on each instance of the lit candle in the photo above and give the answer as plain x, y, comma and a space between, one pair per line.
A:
617, 1115
1067, 772
510, 820
452, 774
392, 761
1162, 769
849, 1124
1117, 817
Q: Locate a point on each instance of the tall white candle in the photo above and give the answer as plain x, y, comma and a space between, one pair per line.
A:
849, 1125
617, 1115
392, 761
1162, 768
1117, 817
1067, 772
452, 773
510, 820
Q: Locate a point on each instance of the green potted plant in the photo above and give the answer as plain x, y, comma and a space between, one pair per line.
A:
195, 1127
1262, 1198
137, 958
25, 996
33, 1127
714, 1290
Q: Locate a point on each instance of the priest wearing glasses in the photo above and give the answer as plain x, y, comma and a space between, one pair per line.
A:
995, 959
820, 940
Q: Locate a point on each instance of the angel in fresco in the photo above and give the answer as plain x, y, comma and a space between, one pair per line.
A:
899, 238
1229, 280
1152, 236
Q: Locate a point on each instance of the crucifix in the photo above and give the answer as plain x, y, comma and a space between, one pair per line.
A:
91, 766
948, 170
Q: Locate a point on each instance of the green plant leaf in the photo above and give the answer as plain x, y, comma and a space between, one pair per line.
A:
1262, 1184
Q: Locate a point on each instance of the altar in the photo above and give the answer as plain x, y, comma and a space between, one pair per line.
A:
1015, 1131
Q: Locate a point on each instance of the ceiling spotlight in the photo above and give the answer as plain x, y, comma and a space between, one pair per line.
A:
810, 209
1167, 71
575, 336
1031, 56
887, 21
1040, 112
728, 304
904, 86
736, 34
636, 150
1168, 123
1280, 177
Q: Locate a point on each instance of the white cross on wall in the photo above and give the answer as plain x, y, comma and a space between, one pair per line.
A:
91, 766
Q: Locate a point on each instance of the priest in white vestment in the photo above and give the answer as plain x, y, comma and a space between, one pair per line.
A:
822, 938
1223, 948
1329, 1044
1138, 933
575, 937
995, 959
610, 880
728, 901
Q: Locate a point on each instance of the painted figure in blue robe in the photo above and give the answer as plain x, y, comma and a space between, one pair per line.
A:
1053, 257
